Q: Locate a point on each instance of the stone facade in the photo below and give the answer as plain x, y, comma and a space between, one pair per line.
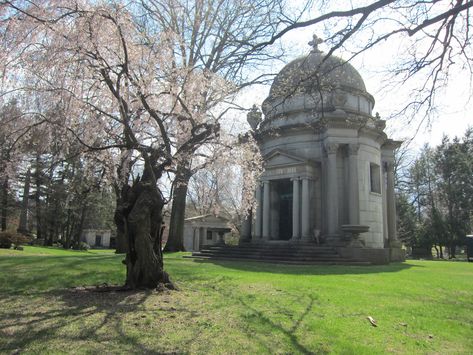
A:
97, 238
328, 164
203, 231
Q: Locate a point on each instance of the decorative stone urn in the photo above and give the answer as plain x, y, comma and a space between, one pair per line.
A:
354, 231
254, 117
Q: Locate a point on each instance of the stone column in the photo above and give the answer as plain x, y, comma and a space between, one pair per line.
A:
391, 205
204, 236
332, 188
353, 194
305, 213
195, 239
266, 210
295, 208
259, 213
385, 204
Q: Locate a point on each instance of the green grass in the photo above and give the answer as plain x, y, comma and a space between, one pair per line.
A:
422, 307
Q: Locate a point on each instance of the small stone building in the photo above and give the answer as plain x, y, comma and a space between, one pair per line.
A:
328, 164
97, 238
204, 230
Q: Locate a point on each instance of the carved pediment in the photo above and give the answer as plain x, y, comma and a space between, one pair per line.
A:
278, 158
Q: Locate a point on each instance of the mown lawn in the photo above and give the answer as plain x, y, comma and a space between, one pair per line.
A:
421, 307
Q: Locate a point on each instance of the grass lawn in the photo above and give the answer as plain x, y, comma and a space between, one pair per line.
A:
421, 307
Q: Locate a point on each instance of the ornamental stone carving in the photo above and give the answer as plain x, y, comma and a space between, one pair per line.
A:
315, 44
339, 98
331, 148
254, 117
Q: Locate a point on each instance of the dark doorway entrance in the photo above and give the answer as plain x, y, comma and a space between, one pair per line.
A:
98, 240
284, 190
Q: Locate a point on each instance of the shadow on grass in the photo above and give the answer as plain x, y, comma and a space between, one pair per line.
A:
262, 325
274, 268
36, 274
57, 313
75, 316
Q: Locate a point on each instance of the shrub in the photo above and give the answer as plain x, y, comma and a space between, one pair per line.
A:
19, 239
6, 240
38, 241
84, 246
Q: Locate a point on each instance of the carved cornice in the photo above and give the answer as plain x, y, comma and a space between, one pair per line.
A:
331, 148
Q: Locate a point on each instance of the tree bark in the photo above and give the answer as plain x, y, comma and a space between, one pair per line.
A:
4, 204
48, 216
67, 230
121, 244
80, 225
175, 240
23, 225
451, 252
139, 219
39, 221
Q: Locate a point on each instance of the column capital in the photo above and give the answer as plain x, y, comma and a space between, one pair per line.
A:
304, 177
353, 149
331, 148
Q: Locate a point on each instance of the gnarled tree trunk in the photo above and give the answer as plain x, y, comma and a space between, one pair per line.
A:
139, 219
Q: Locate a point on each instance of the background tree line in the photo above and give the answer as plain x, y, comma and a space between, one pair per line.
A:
53, 190
435, 196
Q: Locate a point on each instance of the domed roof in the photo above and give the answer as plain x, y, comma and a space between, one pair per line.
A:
314, 73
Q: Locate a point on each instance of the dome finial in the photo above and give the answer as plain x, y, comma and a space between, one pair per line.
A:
315, 43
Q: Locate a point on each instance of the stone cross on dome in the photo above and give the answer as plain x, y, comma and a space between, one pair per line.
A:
315, 43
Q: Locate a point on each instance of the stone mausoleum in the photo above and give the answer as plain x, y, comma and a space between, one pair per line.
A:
328, 164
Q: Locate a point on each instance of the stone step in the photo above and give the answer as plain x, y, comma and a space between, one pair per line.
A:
273, 258
273, 251
276, 246
287, 245
290, 253
261, 247
269, 255
253, 254
283, 261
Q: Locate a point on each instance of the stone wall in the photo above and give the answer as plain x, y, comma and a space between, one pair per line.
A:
371, 207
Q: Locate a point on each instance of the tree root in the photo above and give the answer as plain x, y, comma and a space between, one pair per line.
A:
161, 287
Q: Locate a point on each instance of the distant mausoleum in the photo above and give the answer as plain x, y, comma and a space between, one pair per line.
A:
204, 231
328, 164
97, 238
